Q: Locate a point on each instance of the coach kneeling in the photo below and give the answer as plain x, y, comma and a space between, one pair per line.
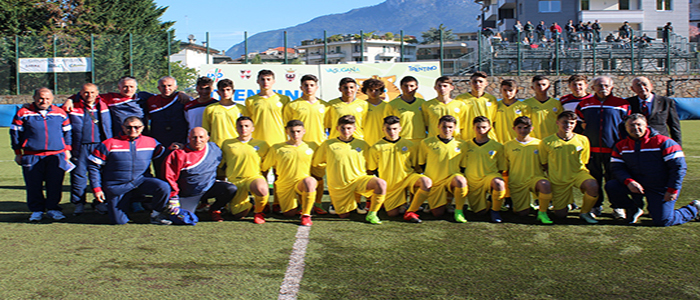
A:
120, 165
648, 164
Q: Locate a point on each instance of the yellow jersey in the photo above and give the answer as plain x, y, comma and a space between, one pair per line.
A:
479, 161
312, 114
267, 117
441, 159
374, 121
411, 115
394, 161
345, 161
243, 159
523, 161
220, 121
433, 110
477, 106
564, 159
544, 116
503, 120
337, 108
291, 163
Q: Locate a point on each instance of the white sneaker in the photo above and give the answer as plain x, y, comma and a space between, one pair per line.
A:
362, 208
56, 215
79, 209
636, 215
597, 211
331, 210
36, 216
619, 214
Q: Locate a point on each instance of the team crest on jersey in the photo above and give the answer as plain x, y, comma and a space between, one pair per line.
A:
359, 109
579, 148
517, 111
290, 75
256, 148
321, 110
245, 74
492, 152
537, 151
488, 103
456, 109
279, 104
458, 150
404, 149
309, 152
554, 109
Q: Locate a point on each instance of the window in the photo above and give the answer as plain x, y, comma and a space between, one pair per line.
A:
585, 4
550, 6
663, 4
624, 4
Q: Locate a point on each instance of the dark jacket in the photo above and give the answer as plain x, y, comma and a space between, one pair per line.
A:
663, 117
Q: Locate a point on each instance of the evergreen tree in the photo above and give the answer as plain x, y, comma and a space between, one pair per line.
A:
433, 35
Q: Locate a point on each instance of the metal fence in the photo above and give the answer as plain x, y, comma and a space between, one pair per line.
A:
113, 56
643, 52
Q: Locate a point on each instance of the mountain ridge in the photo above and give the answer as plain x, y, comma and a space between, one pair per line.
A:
411, 16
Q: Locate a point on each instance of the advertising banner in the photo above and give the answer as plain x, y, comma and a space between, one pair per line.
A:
287, 77
55, 64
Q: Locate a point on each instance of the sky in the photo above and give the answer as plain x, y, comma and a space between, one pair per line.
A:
226, 20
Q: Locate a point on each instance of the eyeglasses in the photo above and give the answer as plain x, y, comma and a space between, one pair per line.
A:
133, 127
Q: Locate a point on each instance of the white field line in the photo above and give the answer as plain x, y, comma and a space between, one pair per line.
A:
295, 270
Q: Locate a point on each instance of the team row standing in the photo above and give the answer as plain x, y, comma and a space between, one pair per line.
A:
266, 107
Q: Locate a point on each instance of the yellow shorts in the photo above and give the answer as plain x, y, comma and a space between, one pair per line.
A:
563, 194
440, 190
478, 190
241, 201
288, 196
343, 198
396, 194
521, 193
318, 172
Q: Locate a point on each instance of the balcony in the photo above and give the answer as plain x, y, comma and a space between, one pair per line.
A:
612, 16
506, 3
389, 54
319, 55
492, 13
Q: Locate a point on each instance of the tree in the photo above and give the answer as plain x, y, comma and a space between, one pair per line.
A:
129, 38
433, 35
256, 60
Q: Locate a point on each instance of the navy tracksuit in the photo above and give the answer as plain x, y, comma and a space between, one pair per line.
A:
42, 139
658, 164
120, 167
91, 126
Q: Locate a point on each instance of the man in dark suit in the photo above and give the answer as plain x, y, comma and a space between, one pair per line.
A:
660, 111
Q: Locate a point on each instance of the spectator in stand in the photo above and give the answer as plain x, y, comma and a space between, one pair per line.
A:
518, 30
668, 28
625, 30
529, 28
595, 27
570, 31
540, 30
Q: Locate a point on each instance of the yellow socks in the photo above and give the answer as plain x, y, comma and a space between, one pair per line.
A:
460, 195
588, 203
418, 200
260, 203
376, 202
544, 200
497, 199
307, 202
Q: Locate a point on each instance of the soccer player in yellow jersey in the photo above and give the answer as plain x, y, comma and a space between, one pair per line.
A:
292, 159
565, 155
478, 103
377, 109
543, 109
265, 109
311, 111
525, 171
483, 161
440, 157
242, 159
395, 160
220, 118
408, 108
346, 166
347, 104
443, 105
508, 109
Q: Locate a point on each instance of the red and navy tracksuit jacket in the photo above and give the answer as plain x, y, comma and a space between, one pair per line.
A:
121, 107
192, 172
655, 161
168, 122
34, 134
602, 121
120, 165
87, 129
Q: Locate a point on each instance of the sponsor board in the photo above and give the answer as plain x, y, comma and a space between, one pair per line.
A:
55, 64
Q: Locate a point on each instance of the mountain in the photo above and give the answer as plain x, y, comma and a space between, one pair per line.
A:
411, 16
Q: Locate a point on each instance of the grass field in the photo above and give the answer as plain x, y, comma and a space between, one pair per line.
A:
84, 257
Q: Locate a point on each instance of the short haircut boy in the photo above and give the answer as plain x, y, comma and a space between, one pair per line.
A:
347, 80
509, 83
538, 78
346, 120
243, 118
264, 73
391, 120
224, 83
447, 119
479, 74
524, 120
567, 115
575, 78
294, 123
372, 84
408, 79
308, 77
444, 79
481, 119
204, 80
